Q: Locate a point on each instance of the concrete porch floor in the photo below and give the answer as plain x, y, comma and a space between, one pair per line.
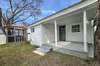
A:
76, 46
73, 48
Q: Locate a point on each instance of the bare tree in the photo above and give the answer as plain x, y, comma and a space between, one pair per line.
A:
21, 10
0, 17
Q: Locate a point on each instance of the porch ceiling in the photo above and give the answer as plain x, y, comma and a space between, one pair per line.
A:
73, 17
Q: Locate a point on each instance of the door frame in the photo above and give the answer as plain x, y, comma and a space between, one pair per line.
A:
60, 34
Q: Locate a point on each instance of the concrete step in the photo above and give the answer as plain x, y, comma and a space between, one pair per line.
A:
39, 52
44, 49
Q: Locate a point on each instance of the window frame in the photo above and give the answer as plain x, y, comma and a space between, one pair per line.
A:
75, 28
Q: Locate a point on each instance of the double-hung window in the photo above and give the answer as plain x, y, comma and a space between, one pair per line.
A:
76, 28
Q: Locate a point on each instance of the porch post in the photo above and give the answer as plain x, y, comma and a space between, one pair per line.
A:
55, 24
85, 31
6, 34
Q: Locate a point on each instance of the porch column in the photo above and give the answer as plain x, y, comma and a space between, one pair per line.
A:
6, 35
14, 35
55, 24
85, 31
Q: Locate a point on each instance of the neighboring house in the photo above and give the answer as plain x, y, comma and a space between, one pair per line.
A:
13, 33
70, 30
2, 37
2, 34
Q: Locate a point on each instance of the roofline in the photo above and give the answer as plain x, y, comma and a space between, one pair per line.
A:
36, 22
58, 11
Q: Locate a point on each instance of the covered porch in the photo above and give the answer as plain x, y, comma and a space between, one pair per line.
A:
72, 31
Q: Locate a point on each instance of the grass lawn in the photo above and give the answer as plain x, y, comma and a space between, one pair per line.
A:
22, 55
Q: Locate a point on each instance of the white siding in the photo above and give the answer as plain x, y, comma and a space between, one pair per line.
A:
28, 34
36, 37
78, 36
74, 36
48, 33
2, 37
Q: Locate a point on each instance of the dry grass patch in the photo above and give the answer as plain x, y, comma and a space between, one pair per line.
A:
22, 55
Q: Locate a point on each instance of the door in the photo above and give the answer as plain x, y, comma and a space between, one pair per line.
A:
62, 33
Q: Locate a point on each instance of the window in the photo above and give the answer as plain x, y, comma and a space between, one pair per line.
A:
76, 28
32, 29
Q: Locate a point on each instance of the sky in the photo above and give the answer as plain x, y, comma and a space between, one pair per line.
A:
48, 7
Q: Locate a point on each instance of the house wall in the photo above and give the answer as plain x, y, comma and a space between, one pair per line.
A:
76, 36
45, 33
48, 33
28, 34
2, 37
36, 36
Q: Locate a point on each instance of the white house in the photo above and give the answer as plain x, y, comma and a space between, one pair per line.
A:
69, 31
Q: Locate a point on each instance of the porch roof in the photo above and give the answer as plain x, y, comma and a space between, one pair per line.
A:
80, 5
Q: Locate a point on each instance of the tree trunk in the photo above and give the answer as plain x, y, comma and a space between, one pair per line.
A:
97, 34
0, 17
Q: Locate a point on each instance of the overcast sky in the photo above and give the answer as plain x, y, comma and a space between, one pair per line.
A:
48, 7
